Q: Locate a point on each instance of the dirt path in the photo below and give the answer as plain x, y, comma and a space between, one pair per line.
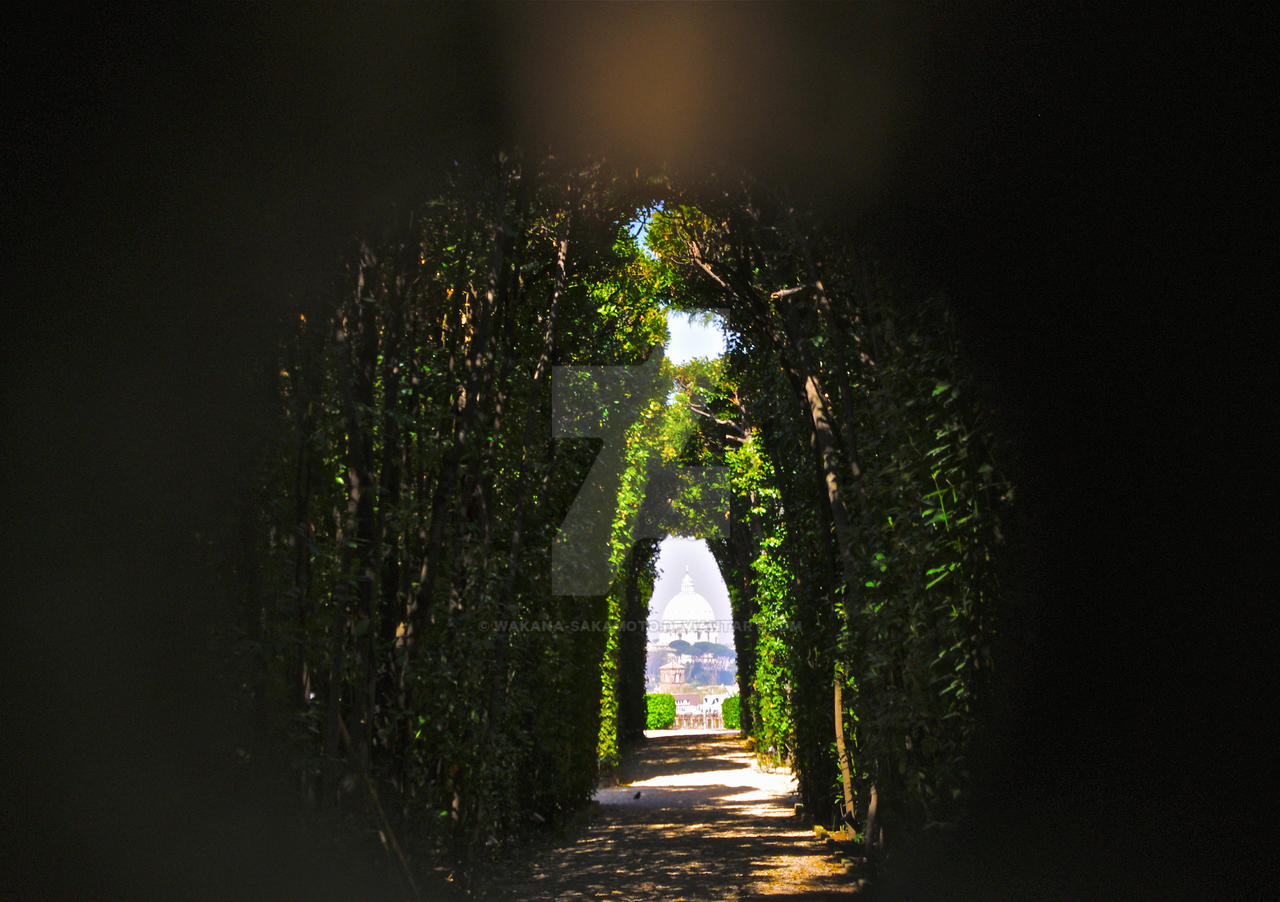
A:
708, 824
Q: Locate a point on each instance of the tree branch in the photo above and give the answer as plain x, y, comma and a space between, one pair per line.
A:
733, 432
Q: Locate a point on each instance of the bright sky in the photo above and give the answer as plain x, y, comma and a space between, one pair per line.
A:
674, 553
692, 338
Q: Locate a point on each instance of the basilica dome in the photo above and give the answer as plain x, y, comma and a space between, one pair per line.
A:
688, 616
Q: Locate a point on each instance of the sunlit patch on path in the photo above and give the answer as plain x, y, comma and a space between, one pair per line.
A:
693, 817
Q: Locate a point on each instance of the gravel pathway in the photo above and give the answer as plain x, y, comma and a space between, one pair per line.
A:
693, 818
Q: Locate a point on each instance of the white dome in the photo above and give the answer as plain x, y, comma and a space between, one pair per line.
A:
688, 604
688, 616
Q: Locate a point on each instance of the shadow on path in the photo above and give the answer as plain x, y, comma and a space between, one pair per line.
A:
708, 824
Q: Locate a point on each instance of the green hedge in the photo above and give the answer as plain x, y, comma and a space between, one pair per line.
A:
729, 711
660, 708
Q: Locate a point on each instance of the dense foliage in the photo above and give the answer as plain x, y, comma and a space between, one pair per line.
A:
405, 661
729, 712
661, 710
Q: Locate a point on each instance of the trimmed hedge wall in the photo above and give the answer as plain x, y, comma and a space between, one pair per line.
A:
729, 711
660, 710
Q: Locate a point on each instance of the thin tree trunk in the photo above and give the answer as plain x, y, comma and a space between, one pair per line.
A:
304, 391
842, 752
358, 398
818, 292
329, 764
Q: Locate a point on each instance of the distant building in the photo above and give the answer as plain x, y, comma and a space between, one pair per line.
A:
671, 674
688, 616
695, 711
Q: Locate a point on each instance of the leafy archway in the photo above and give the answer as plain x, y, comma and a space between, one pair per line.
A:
404, 636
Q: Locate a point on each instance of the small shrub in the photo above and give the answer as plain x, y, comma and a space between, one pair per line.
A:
660, 710
729, 711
